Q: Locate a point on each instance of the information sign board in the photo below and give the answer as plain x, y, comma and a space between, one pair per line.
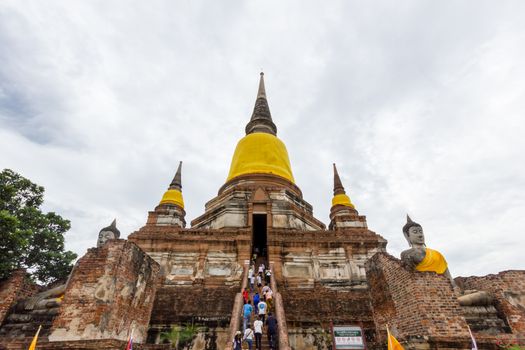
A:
348, 337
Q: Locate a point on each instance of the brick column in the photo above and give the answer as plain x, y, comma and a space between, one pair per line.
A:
419, 307
111, 292
14, 288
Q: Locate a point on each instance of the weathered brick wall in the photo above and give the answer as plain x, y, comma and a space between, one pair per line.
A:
414, 304
314, 309
508, 289
201, 271
210, 306
14, 288
111, 291
321, 305
321, 278
206, 338
209, 309
103, 344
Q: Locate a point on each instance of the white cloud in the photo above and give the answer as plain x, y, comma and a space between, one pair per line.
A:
420, 104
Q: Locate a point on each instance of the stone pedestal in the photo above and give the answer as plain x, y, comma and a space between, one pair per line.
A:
111, 292
14, 288
420, 308
508, 290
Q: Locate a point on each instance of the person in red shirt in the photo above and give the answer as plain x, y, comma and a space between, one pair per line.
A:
245, 295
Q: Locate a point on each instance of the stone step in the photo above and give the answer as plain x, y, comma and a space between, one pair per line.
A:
265, 345
22, 330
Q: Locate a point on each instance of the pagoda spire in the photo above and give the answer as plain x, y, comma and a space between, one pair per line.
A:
340, 196
343, 213
262, 91
170, 211
176, 183
261, 120
173, 196
338, 185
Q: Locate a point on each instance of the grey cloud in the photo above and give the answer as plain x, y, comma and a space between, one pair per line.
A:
420, 104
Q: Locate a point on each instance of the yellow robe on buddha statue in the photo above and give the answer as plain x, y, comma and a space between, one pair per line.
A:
433, 261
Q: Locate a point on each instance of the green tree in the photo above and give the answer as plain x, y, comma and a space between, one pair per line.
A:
180, 336
30, 238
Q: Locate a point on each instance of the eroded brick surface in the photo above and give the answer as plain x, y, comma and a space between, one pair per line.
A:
210, 306
103, 344
316, 309
414, 304
14, 288
508, 288
111, 291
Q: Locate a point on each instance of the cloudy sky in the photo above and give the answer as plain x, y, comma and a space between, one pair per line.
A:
420, 103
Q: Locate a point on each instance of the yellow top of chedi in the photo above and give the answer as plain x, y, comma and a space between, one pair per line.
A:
173, 195
261, 153
342, 199
340, 196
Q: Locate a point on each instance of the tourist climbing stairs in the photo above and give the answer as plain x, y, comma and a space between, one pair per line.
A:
236, 323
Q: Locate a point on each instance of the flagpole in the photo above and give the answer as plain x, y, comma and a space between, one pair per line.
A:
474, 345
390, 346
35, 339
129, 346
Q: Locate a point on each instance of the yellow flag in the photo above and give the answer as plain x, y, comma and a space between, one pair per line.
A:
33, 343
393, 344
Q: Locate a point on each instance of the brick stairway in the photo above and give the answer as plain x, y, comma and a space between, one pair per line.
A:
265, 345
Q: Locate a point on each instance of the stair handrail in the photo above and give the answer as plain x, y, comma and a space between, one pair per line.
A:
284, 343
235, 321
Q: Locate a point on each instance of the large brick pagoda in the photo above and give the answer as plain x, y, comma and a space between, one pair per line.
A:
168, 275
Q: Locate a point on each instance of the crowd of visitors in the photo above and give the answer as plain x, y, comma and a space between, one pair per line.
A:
257, 310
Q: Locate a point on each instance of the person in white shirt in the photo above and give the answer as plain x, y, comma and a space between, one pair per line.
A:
262, 310
248, 337
268, 297
261, 268
265, 289
267, 276
257, 328
259, 281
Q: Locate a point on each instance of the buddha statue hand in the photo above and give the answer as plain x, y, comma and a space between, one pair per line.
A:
410, 258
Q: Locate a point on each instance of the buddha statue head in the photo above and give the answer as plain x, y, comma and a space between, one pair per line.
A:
107, 233
413, 233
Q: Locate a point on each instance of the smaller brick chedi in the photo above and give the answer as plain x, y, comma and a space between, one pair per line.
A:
167, 276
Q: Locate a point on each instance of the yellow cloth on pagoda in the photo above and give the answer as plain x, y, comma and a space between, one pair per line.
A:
173, 197
261, 153
433, 261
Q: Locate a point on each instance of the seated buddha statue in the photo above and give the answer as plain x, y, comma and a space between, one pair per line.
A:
419, 257
52, 298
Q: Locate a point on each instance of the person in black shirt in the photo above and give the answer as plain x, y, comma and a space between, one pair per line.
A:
237, 341
271, 323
